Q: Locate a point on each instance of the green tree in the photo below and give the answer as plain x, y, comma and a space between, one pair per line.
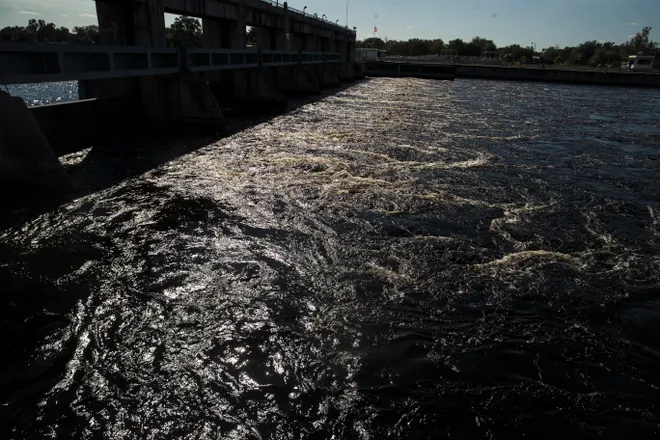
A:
184, 32
418, 47
395, 47
518, 52
45, 32
595, 60
478, 46
85, 34
16, 34
457, 45
550, 54
374, 43
62, 34
586, 51
436, 46
35, 31
640, 44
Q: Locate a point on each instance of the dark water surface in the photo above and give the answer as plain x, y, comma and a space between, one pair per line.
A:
405, 259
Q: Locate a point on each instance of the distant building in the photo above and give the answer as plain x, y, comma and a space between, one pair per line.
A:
448, 53
369, 54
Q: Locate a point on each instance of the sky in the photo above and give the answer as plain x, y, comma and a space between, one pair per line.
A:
544, 22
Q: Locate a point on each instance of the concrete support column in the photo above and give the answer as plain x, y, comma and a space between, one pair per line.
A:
223, 33
267, 39
296, 42
346, 65
297, 80
286, 43
303, 40
131, 23
251, 87
212, 33
235, 29
282, 40
125, 23
351, 51
28, 166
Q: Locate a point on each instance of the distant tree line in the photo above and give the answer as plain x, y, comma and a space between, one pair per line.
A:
38, 31
185, 31
591, 53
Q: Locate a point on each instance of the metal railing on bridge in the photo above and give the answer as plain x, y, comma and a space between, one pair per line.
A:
22, 63
280, 4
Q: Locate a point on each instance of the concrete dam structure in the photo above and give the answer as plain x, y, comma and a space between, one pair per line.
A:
410, 70
295, 54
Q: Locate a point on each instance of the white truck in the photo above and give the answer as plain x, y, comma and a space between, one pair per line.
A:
638, 63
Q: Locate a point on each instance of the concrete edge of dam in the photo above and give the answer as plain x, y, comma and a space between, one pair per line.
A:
29, 168
505, 73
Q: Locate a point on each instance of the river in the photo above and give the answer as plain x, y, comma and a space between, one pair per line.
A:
404, 259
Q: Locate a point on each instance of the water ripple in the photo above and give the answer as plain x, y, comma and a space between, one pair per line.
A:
403, 259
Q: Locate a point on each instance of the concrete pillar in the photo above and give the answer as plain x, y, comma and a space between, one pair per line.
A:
295, 42
323, 45
311, 43
234, 30
304, 41
297, 80
190, 100
108, 88
163, 99
326, 74
246, 88
331, 75
28, 166
358, 70
267, 39
126, 23
131, 23
282, 40
212, 33
224, 33
346, 71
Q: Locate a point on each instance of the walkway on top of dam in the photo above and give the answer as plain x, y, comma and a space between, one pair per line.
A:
23, 63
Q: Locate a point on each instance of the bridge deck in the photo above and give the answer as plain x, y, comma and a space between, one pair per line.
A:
32, 63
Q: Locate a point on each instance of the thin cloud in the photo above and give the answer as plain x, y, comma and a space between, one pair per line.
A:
88, 15
412, 28
27, 13
632, 24
64, 15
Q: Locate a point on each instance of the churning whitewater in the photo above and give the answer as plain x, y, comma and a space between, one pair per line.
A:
402, 259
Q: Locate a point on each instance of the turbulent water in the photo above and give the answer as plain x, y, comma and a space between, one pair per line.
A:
403, 259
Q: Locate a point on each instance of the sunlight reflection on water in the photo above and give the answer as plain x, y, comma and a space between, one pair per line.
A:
46, 93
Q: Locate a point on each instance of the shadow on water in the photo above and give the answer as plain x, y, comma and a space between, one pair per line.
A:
33, 306
113, 160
